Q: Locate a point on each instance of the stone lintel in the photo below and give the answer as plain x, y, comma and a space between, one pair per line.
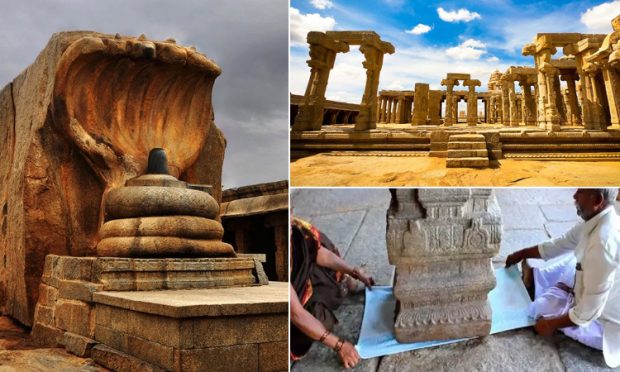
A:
521, 70
552, 40
458, 76
320, 38
564, 63
212, 302
591, 42
362, 38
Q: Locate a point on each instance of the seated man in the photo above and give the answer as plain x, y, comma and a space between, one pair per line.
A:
318, 286
579, 293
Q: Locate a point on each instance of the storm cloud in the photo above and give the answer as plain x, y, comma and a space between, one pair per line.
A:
248, 39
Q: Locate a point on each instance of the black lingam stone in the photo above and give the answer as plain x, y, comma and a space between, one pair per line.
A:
158, 162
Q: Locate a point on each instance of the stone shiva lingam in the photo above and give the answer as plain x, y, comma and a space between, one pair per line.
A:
441, 242
156, 215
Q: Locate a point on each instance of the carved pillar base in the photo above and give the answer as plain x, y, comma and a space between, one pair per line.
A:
441, 242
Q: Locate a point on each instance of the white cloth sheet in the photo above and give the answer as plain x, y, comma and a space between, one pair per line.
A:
509, 303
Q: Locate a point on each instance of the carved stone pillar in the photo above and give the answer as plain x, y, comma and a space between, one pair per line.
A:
572, 105
434, 107
472, 101
373, 53
505, 101
512, 105
420, 107
399, 109
612, 88
323, 50
528, 113
449, 118
441, 242
552, 116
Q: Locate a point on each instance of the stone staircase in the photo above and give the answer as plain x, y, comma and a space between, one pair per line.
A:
467, 151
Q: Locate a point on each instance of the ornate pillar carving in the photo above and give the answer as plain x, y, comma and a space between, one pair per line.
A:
373, 51
438, 239
573, 116
449, 118
323, 50
472, 101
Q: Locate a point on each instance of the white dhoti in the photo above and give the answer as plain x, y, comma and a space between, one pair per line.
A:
552, 301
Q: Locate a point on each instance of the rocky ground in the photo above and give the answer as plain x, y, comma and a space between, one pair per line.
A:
355, 220
366, 169
19, 354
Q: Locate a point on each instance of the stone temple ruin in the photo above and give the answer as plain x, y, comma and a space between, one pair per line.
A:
566, 108
441, 242
114, 253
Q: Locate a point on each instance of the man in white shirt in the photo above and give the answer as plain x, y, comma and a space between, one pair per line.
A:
579, 293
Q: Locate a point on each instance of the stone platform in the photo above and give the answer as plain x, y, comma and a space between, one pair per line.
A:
170, 314
522, 142
228, 329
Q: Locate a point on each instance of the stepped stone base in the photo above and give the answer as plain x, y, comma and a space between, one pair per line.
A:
467, 150
172, 314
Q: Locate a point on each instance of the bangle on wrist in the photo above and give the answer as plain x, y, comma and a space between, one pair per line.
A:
324, 336
339, 344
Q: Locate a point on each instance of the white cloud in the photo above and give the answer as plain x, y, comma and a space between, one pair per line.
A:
493, 59
598, 18
469, 49
462, 14
321, 4
301, 24
419, 29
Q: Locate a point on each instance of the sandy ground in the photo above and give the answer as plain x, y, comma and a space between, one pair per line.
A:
331, 170
19, 354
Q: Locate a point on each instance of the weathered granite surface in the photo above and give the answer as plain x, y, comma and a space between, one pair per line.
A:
441, 242
82, 117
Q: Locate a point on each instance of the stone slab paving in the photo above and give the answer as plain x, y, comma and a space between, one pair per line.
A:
529, 216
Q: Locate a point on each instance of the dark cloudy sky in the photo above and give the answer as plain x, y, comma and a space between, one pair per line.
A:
248, 39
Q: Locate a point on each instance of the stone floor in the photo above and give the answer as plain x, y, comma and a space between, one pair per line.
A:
371, 169
19, 354
355, 220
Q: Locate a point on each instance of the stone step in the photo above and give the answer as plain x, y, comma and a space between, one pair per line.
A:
459, 145
467, 138
468, 153
473, 162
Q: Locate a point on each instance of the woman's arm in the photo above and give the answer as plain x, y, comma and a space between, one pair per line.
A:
314, 329
328, 259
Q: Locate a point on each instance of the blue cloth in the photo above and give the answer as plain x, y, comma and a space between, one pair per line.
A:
509, 303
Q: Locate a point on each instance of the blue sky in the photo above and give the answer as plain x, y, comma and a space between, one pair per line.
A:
435, 37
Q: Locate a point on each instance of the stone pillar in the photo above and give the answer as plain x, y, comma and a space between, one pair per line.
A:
505, 101
455, 107
449, 118
434, 107
420, 107
438, 239
399, 109
528, 103
612, 87
323, 50
559, 100
572, 105
373, 54
492, 111
552, 116
472, 101
512, 105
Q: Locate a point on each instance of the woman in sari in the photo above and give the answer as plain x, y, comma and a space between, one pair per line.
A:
319, 281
